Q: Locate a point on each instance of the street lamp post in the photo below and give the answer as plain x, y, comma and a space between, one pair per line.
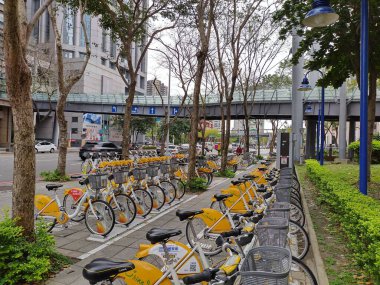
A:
323, 15
305, 86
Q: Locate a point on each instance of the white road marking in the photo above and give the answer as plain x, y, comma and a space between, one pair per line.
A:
99, 248
224, 180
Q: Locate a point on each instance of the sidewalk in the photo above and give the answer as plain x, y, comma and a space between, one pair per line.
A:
76, 243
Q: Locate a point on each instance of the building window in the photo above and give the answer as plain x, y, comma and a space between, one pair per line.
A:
104, 41
74, 119
68, 26
112, 65
47, 26
82, 54
142, 82
112, 48
87, 23
104, 61
68, 54
74, 131
36, 29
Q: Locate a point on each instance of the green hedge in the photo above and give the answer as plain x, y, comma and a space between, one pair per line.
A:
359, 216
354, 146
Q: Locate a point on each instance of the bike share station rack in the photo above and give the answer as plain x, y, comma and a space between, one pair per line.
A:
284, 144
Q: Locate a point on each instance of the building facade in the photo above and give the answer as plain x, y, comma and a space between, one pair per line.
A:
156, 88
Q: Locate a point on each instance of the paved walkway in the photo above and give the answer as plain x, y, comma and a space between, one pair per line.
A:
76, 242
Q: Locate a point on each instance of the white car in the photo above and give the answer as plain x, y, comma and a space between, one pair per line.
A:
173, 149
45, 146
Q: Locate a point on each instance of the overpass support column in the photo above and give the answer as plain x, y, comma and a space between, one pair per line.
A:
297, 102
311, 134
351, 137
342, 120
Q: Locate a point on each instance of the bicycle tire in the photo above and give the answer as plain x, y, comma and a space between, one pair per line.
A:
309, 277
130, 204
170, 191
49, 226
80, 215
158, 195
179, 186
297, 215
103, 211
144, 207
190, 240
296, 231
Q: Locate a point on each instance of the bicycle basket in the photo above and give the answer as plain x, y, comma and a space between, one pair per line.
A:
120, 177
272, 231
279, 209
266, 266
164, 168
201, 162
282, 194
97, 181
152, 170
139, 173
174, 166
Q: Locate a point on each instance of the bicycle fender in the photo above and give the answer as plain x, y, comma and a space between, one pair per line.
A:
76, 193
143, 250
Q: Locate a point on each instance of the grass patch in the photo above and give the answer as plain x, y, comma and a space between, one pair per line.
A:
54, 175
228, 173
197, 184
338, 259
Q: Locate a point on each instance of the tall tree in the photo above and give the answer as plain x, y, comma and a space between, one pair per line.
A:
131, 24
17, 32
339, 47
66, 80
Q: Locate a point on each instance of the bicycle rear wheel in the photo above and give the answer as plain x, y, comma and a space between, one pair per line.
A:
100, 218
196, 231
48, 222
158, 195
70, 206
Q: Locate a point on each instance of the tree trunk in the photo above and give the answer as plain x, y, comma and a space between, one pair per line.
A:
371, 116
227, 136
258, 135
246, 133
19, 81
128, 117
63, 144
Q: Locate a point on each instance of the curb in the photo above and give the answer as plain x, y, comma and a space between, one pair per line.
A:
320, 267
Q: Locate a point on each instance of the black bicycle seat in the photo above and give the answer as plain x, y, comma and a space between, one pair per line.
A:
53, 186
236, 182
184, 215
157, 235
102, 269
221, 197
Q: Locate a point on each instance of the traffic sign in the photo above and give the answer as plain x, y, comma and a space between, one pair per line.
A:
135, 109
114, 109
152, 111
175, 110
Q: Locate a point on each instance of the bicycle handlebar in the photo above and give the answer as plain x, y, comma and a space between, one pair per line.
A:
206, 276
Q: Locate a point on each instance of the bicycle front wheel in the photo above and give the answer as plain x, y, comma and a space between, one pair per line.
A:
158, 195
124, 208
99, 218
170, 191
300, 273
143, 201
179, 186
299, 242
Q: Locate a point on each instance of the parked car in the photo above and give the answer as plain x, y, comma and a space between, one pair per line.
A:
185, 146
45, 146
173, 149
92, 146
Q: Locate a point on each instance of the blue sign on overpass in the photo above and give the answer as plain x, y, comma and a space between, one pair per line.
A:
135, 109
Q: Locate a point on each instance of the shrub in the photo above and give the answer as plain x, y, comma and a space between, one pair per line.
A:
359, 216
54, 176
148, 147
259, 157
22, 261
228, 173
197, 184
354, 146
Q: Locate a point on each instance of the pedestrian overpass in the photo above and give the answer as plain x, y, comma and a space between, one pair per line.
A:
265, 104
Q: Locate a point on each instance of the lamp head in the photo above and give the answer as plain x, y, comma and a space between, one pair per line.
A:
309, 108
305, 86
321, 15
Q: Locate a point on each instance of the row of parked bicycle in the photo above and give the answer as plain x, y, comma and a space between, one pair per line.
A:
257, 223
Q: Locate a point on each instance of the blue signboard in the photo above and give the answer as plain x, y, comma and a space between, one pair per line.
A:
135, 109
152, 110
175, 110
114, 109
